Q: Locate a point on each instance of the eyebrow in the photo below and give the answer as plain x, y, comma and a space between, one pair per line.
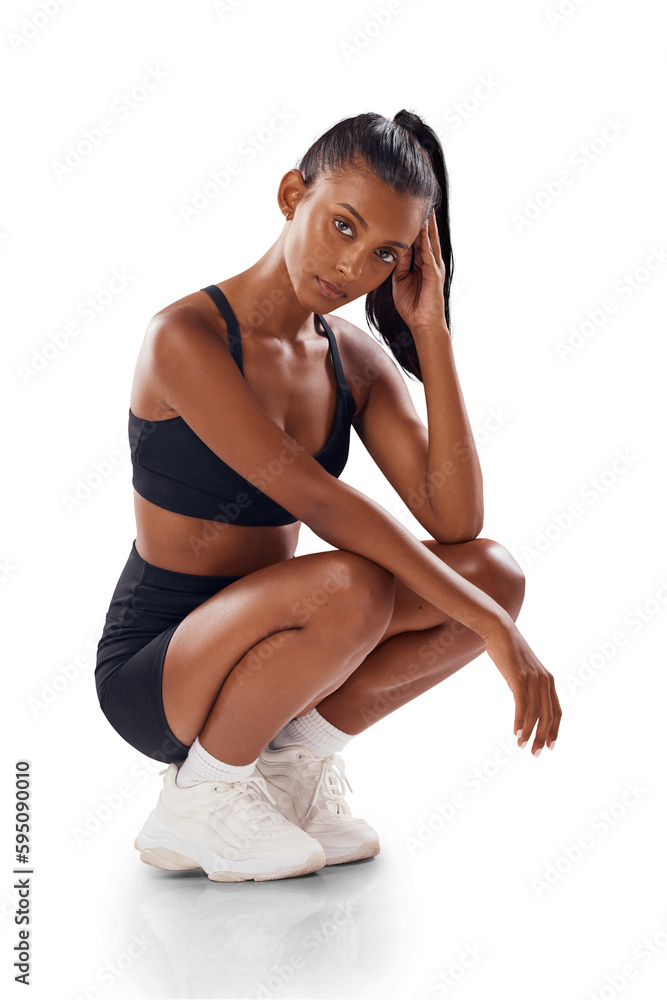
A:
344, 204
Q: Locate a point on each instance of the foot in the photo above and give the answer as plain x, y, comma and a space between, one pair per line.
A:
230, 829
310, 793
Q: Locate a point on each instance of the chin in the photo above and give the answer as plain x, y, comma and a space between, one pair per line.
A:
324, 308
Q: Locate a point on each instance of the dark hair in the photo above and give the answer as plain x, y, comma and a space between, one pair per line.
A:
405, 153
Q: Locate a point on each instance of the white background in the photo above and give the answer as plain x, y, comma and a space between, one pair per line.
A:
104, 925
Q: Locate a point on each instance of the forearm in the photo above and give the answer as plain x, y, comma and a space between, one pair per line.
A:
453, 476
354, 522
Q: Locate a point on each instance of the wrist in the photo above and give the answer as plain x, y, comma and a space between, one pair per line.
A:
497, 623
433, 328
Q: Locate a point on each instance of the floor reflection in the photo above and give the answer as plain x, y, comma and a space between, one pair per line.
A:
336, 932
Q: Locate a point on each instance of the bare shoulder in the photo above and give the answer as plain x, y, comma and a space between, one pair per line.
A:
196, 308
189, 315
363, 357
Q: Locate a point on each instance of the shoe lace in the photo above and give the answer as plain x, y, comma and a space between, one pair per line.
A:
329, 791
252, 794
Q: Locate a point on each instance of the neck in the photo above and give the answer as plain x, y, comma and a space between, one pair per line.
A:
264, 299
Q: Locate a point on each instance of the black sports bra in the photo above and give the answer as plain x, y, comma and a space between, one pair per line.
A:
174, 469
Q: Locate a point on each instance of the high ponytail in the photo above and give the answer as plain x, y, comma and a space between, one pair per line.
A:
405, 153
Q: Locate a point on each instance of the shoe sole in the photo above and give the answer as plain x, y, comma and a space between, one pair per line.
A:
368, 850
161, 847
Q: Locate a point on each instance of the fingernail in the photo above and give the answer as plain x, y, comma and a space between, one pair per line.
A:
537, 752
552, 745
518, 735
522, 745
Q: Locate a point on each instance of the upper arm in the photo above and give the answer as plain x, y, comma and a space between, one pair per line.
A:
392, 431
198, 377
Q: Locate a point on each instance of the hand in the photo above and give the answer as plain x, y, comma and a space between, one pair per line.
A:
531, 684
419, 292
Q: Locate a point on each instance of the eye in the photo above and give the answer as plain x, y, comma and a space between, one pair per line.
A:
393, 259
343, 222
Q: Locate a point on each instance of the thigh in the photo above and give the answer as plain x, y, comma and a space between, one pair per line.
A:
319, 590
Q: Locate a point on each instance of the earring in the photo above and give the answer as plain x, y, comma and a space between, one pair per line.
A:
287, 217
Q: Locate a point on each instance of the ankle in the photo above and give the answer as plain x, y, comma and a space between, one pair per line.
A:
200, 765
312, 731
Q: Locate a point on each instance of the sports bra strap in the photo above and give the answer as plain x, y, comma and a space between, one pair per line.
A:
234, 334
233, 329
338, 366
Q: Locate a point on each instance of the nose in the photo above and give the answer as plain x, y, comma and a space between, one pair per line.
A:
350, 268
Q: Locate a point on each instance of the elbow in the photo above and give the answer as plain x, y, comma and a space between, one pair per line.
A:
454, 538
476, 528
465, 529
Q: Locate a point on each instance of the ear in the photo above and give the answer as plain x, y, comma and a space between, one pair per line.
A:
290, 190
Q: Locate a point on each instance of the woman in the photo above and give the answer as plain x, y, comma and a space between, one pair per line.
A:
243, 667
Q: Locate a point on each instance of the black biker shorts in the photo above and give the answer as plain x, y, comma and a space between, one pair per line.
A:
146, 607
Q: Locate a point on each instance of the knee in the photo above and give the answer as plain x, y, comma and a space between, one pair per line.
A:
499, 574
366, 589
492, 568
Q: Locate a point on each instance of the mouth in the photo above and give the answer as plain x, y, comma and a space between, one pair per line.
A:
331, 291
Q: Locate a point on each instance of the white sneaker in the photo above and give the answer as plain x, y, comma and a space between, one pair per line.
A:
228, 828
309, 792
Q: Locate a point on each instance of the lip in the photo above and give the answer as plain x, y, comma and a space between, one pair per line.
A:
330, 291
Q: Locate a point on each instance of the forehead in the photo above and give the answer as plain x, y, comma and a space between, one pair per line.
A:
374, 199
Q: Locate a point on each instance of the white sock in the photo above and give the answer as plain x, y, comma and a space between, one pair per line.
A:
313, 731
200, 765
